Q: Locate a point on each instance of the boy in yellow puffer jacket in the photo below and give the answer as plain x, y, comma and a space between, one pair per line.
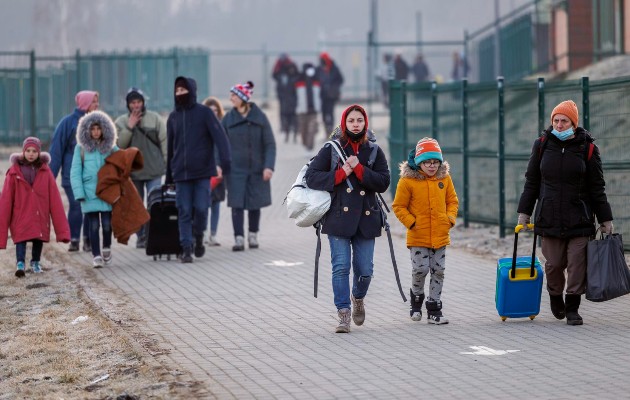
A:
426, 204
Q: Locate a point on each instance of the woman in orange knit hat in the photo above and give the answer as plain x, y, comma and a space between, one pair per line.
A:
564, 179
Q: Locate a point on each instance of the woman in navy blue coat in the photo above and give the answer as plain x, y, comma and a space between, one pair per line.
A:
354, 218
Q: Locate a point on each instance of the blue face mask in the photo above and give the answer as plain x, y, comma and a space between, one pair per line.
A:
564, 135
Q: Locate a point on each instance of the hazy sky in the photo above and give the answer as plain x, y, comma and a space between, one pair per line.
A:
301, 27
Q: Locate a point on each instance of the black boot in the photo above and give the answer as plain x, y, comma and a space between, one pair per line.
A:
187, 255
557, 306
434, 313
200, 249
415, 312
572, 304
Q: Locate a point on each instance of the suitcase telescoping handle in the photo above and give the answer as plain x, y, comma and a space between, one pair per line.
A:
517, 229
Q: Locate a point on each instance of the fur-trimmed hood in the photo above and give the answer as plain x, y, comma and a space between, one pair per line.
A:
407, 172
17, 157
109, 138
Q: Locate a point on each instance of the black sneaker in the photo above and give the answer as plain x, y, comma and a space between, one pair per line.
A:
74, 245
87, 247
186, 256
200, 249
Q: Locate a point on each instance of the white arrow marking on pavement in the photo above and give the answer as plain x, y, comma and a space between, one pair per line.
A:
487, 351
282, 263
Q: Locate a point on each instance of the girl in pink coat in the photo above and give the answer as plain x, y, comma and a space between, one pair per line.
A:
29, 200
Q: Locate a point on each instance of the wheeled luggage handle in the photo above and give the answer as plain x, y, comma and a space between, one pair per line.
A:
517, 229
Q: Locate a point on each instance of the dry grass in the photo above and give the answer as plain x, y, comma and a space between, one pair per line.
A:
43, 355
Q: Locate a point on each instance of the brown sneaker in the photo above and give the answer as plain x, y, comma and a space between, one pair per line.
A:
344, 321
358, 311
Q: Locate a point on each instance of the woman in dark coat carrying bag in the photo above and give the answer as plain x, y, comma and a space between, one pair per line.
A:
565, 180
354, 218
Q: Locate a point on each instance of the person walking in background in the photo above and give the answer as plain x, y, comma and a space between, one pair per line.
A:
401, 68
308, 104
285, 73
217, 183
420, 70
568, 188
145, 130
426, 204
30, 200
354, 219
330, 80
386, 74
96, 140
460, 67
61, 153
193, 131
254, 152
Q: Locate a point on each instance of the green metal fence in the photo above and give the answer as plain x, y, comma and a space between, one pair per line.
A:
36, 92
486, 132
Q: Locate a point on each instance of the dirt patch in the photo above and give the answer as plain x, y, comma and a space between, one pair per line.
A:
58, 340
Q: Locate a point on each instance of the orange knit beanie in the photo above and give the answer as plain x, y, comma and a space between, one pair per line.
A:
568, 108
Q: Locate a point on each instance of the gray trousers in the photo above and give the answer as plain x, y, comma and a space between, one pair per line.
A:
424, 260
561, 255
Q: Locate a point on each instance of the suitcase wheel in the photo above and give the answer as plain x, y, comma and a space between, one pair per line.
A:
532, 317
503, 318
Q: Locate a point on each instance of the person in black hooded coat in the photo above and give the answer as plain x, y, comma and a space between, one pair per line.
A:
567, 185
192, 132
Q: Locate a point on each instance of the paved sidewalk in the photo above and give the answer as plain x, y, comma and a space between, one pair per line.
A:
247, 323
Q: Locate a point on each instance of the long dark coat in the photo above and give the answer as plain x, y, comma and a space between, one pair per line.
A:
253, 150
568, 189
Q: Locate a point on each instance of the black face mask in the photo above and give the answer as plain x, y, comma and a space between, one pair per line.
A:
355, 137
182, 99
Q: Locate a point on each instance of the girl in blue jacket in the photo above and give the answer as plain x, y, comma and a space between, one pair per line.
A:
96, 138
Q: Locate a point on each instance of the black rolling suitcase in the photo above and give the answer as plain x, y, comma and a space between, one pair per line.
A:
163, 230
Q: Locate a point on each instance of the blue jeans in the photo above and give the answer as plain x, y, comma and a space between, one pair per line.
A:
20, 250
140, 186
75, 217
96, 220
362, 267
215, 210
191, 198
238, 221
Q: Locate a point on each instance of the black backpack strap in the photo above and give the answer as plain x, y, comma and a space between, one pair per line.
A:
318, 251
381, 204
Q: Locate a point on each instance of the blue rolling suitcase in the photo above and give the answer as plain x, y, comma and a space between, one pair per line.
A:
519, 283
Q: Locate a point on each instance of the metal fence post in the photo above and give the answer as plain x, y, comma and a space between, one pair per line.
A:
209, 72
465, 172
434, 111
77, 61
586, 112
397, 126
176, 61
265, 74
33, 74
501, 154
541, 105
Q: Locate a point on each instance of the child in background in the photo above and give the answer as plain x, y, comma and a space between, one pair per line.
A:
426, 203
96, 140
29, 200
217, 185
